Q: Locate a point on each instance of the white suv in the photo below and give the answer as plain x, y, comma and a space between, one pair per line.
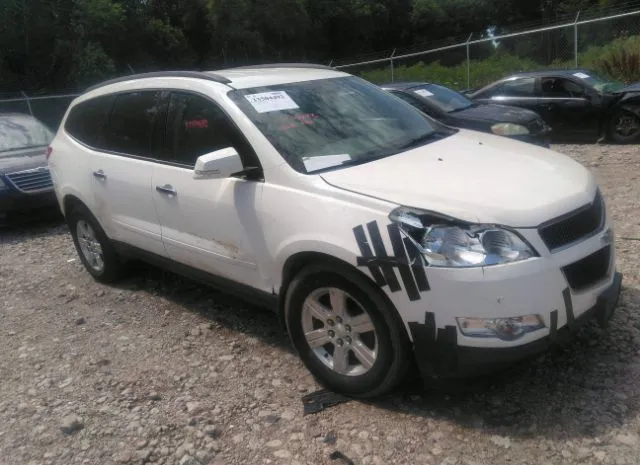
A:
374, 232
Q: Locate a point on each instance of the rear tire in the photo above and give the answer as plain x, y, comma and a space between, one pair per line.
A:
624, 127
345, 332
96, 251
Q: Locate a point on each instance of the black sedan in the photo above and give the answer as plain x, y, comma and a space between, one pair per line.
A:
25, 182
456, 110
576, 102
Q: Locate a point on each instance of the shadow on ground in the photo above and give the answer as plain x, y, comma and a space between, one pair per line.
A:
582, 389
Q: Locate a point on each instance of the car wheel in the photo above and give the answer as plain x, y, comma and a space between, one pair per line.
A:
94, 247
345, 332
624, 127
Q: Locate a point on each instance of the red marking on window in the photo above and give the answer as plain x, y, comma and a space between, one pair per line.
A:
286, 127
306, 118
196, 123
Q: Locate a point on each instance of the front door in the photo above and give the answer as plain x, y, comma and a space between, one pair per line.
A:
208, 224
568, 108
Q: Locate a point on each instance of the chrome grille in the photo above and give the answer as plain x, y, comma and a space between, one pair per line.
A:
34, 180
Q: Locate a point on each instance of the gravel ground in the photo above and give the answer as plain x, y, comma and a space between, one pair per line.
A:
160, 370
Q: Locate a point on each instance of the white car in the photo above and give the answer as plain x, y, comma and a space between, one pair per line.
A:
373, 231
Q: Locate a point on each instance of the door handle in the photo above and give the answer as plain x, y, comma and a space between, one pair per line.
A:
167, 189
99, 174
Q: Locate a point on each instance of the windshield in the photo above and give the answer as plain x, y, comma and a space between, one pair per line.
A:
447, 99
322, 124
599, 82
22, 132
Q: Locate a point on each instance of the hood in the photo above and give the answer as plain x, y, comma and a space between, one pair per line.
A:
631, 88
496, 114
475, 177
17, 160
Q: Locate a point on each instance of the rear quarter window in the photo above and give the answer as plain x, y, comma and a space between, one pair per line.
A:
86, 121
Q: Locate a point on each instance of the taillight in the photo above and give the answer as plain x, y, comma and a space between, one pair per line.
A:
48, 154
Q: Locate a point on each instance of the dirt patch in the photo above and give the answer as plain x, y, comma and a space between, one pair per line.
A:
161, 370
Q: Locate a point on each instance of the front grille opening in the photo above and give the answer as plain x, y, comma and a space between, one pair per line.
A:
575, 226
588, 271
31, 180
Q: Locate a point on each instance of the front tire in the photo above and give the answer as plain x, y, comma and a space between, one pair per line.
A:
624, 127
345, 332
96, 251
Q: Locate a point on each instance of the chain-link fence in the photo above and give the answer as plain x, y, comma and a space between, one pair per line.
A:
586, 41
48, 109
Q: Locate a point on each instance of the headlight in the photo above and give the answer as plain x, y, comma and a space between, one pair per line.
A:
443, 243
507, 329
509, 129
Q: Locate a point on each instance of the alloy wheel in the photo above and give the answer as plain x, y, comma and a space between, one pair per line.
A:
339, 331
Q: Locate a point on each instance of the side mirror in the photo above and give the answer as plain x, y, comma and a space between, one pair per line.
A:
220, 164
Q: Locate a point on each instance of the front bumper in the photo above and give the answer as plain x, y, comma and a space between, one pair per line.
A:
15, 204
448, 360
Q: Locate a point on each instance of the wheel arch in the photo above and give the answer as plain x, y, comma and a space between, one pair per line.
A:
294, 264
69, 201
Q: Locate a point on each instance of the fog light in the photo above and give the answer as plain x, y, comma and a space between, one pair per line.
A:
507, 329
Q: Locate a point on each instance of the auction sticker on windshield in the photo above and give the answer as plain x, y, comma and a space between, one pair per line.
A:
581, 75
271, 101
423, 93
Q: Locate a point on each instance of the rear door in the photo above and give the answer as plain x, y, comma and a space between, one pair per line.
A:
520, 91
122, 168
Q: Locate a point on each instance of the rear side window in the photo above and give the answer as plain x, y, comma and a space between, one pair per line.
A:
131, 122
197, 126
86, 121
521, 87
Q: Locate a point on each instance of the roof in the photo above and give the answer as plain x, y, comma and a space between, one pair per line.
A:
240, 77
547, 72
257, 76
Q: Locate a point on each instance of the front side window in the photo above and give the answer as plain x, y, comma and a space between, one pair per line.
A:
131, 123
196, 126
445, 99
327, 123
561, 88
21, 132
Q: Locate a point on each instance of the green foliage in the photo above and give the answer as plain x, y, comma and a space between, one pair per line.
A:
481, 71
91, 64
50, 45
619, 59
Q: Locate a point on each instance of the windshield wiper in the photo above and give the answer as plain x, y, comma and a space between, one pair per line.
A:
420, 140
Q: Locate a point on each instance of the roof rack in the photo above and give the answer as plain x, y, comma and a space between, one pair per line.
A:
186, 74
285, 65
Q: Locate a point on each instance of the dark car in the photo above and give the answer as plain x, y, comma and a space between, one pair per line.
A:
454, 109
576, 102
25, 182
